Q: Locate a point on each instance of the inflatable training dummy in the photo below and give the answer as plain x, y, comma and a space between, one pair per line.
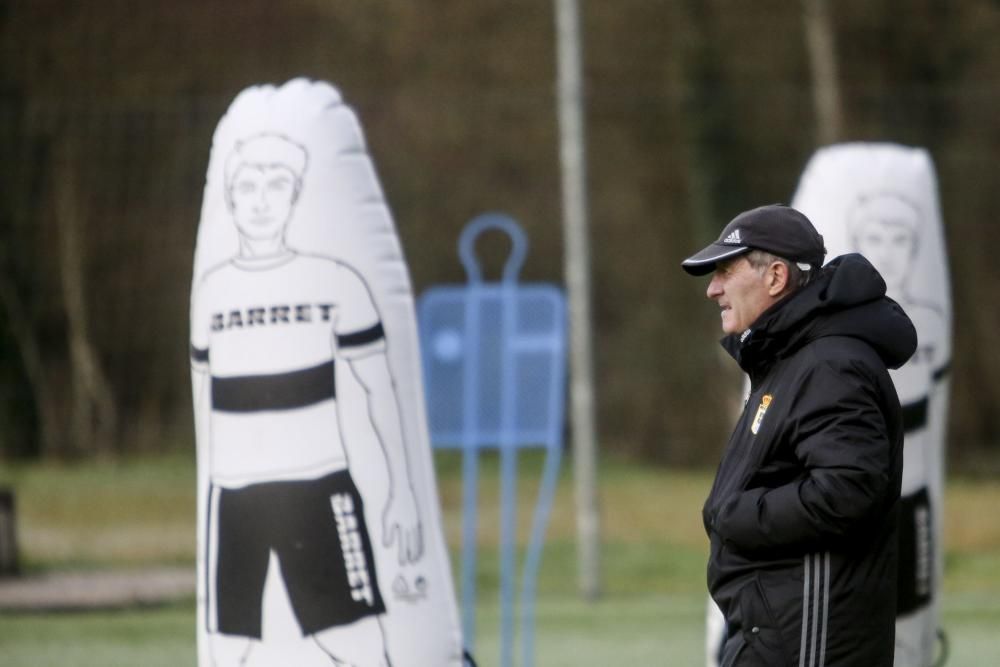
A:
881, 200
319, 532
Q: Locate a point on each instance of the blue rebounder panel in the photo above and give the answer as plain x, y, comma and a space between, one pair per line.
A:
494, 357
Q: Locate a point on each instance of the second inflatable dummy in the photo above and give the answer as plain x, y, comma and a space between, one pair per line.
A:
881, 200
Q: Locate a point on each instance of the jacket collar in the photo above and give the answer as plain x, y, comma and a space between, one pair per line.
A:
847, 298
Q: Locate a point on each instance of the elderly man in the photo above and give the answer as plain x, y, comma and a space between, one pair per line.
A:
802, 513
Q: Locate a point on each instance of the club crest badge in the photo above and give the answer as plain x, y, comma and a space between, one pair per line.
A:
765, 401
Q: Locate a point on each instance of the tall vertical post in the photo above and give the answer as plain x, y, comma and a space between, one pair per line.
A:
823, 63
577, 270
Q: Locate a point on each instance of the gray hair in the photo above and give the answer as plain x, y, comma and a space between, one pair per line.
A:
797, 276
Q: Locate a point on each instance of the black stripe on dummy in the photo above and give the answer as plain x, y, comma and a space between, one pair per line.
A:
199, 355
363, 337
281, 391
915, 416
942, 373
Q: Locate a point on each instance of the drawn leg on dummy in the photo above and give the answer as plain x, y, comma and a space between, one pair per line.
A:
915, 631
230, 650
360, 644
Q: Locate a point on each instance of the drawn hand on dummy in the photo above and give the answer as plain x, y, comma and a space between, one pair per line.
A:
401, 525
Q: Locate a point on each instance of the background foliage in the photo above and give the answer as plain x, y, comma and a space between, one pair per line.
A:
696, 109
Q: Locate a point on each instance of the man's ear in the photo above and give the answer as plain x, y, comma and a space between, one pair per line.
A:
777, 278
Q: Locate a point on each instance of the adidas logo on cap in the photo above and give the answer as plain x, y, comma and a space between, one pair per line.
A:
733, 238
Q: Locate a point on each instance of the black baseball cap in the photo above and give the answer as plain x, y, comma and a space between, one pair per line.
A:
777, 229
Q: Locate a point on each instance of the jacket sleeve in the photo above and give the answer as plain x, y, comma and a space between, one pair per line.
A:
840, 439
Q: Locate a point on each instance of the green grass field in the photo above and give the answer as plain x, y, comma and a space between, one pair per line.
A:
141, 513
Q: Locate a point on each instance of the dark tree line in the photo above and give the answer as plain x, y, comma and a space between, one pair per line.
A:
696, 110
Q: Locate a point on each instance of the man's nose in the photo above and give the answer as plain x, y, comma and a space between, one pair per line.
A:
714, 288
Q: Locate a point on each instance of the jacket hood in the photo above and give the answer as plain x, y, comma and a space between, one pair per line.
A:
847, 298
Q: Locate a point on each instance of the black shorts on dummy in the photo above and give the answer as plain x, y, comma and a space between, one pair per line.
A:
317, 530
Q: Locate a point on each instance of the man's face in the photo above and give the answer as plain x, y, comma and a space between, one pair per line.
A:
741, 292
262, 199
889, 246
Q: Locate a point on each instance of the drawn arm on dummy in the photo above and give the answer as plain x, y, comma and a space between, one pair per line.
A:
401, 517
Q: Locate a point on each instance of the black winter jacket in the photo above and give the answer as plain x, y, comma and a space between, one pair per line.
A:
802, 514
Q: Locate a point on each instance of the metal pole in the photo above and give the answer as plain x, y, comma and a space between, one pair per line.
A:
577, 267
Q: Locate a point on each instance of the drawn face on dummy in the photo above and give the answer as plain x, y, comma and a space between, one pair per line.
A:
263, 180
884, 230
262, 200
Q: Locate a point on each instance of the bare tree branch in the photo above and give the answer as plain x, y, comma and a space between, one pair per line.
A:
94, 415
